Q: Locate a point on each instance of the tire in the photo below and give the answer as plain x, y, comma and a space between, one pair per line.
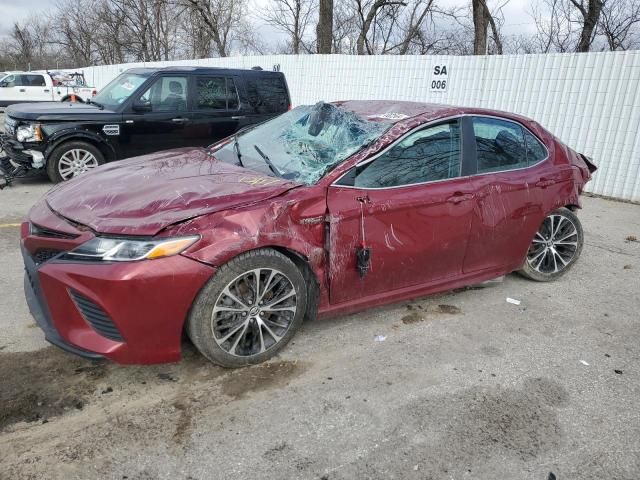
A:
235, 332
555, 247
63, 164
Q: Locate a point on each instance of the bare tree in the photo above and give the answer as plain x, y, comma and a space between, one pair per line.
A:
567, 25
619, 22
292, 17
324, 29
222, 18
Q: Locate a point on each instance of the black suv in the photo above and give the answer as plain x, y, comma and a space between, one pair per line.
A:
143, 110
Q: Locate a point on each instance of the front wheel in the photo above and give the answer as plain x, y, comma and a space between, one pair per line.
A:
249, 310
72, 159
555, 247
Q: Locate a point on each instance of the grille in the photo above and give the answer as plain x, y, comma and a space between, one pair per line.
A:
96, 317
45, 254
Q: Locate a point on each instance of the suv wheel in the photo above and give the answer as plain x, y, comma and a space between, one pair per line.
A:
249, 309
72, 159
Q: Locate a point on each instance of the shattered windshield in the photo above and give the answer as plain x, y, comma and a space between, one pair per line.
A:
303, 144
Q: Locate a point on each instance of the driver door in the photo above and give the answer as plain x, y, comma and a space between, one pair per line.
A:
410, 207
164, 126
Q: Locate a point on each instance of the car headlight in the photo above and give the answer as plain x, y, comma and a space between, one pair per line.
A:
126, 250
29, 133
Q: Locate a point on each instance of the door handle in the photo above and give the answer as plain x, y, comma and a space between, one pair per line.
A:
22, 90
46, 90
459, 197
364, 199
179, 120
238, 117
544, 183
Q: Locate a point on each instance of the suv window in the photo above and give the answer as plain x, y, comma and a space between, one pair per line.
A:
167, 94
499, 144
216, 93
9, 81
425, 156
267, 94
536, 152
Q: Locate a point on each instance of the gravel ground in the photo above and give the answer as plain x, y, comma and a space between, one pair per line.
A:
465, 386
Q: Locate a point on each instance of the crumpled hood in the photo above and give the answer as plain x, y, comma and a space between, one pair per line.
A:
143, 195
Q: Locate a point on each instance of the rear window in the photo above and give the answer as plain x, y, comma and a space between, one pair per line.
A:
216, 93
267, 94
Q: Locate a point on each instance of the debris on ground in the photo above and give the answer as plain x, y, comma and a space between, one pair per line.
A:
379, 338
618, 372
631, 238
513, 301
627, 267
584, 363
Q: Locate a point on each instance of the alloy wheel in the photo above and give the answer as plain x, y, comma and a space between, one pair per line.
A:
254, 312
554, 246
75, 162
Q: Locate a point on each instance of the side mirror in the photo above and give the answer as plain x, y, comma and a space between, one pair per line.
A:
141, 107
3, 85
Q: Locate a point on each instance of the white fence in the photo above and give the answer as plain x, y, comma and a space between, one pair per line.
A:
589, 100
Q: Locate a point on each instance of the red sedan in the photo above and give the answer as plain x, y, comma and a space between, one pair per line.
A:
327, 209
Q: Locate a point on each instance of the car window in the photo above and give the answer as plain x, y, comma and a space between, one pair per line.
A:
167, 94
267, 94
9, 81
499, 144
211, 93
34, 81
536, 152
232, 95
424, 156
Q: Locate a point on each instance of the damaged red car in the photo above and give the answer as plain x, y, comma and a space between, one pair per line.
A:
327, 209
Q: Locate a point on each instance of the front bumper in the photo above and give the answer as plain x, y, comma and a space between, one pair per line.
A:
128, 312
21, 153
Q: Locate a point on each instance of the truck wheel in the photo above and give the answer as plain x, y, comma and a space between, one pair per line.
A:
68, 99
72, 159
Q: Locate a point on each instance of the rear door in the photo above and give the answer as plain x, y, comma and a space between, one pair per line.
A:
507, 187
164, 126
410, 207
215, 109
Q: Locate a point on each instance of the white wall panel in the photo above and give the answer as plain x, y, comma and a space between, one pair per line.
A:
591, 101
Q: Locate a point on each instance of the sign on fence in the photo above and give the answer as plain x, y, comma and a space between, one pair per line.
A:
439, 78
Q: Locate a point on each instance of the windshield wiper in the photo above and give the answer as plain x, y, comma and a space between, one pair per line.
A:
99, 105
267, 161
236, 148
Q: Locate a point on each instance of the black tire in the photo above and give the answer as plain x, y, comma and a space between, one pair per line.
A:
68, 99
555, 248
251, 321
54, 160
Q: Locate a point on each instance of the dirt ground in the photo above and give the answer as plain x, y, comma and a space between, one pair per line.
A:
464, 385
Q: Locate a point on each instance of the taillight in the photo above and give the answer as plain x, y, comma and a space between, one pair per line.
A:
94, 93
290, 107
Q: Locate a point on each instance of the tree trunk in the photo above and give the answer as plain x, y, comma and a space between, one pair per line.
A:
591, 16
324, 30
480, 24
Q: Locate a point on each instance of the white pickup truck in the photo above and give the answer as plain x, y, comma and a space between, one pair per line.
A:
27, 87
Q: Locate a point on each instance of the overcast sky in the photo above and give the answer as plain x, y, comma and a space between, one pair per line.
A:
517, 19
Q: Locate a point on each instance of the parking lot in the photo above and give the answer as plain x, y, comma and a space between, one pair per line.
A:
464, 386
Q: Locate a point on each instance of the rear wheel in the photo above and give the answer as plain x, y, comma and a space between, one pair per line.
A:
249, 310
72, 159
555, 247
